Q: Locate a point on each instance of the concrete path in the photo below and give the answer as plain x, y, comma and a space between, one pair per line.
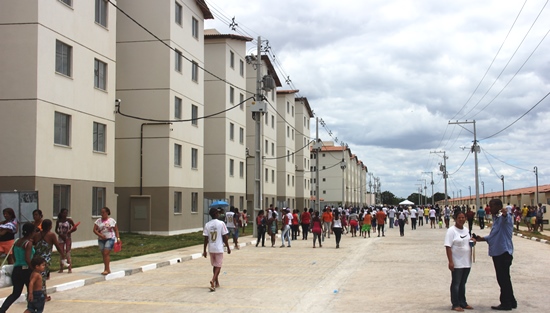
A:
385, 274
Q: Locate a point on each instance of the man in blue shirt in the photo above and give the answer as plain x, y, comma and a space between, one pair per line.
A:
481, 217
501, 249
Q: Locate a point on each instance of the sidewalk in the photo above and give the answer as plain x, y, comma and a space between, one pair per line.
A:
87, 275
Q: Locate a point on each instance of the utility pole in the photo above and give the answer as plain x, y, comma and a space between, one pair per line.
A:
443, 169
502, 178
317, 147
475, 151
431, 183
343, 167
536, 171
370, 188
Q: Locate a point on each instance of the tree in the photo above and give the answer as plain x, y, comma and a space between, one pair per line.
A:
389, 198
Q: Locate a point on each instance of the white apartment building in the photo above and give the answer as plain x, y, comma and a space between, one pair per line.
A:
302, 145
336, 186
286, 145
268, 175
57, 91
159, 159
224, 133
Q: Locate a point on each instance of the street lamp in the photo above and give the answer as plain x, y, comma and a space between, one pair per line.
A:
536, 170
502, 178
483, 187
470, 198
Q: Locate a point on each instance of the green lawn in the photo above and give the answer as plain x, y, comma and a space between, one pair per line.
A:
134, 245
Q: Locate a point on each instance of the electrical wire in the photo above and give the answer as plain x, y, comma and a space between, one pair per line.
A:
467, 155
494, 157
491, 165
293, 153
118, 111
505, 128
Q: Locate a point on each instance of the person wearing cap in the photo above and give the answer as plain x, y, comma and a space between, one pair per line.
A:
215, 237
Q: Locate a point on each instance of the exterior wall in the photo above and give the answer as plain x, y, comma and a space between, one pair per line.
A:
32, 93
302, 162
286, 159
219, 147
147, 84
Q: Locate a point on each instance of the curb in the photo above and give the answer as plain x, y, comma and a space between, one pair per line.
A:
120, 274
531, 238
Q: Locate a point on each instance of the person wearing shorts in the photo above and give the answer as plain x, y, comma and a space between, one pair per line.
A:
215, 237
367, 220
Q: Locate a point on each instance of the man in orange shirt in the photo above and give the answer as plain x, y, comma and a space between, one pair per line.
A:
380, 221
327, 221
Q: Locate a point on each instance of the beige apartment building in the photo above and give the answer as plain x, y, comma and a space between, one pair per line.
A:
337, 185
57, 91
302, 145
224, 133
285, 156
268, 175
160, 139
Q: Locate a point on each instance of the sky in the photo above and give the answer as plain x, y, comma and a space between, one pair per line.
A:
387, 77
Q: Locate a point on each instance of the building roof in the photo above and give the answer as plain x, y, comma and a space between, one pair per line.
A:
511, 192
287, 92
205, 10
213, 34
306, 104
271, 70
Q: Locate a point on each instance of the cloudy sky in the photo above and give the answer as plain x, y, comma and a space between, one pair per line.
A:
398, 71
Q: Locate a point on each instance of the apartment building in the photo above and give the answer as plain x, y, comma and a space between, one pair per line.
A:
286, 158
268, 133
301, 148
224, 133
160, 137
337, 185
57, 91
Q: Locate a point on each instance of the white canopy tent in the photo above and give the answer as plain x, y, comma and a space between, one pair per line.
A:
406, 202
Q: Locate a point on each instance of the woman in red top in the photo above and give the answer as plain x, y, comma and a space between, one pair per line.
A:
306, 219
295, 224
316, 229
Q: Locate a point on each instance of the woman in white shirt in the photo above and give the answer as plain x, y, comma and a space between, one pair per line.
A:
459, 251
337, 227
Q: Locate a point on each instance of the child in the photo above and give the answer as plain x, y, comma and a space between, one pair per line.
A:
36, 298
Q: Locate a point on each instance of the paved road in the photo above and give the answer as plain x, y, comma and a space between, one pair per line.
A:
386, 274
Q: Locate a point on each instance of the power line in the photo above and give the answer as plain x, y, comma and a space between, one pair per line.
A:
293, 153
494, 157
467, 155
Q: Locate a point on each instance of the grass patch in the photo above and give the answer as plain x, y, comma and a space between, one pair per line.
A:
133, 245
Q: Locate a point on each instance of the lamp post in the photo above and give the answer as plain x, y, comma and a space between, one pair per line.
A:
483, 187
343, 167
470, 198
502, 178
536, 170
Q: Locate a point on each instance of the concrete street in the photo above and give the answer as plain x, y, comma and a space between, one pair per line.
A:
386, 274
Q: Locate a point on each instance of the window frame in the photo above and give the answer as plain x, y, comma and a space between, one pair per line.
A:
241, 68
178, 103
231, 95
195, 28
231, 59
178, 59
241, 135
177, 154
231, 167
231, 131
178, 197
63, 59
194, 158
99, 146
98, 205
101, 12
194, 115
241, 169
61, 193
62, 131
178, 14
194, 202
195, 71
100, 74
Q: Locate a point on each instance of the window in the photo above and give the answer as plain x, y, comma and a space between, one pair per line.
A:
178, 13
272, 149
241, 101
61, 198
241, 202
231, 95
231, 59
293, 134
241, 135
194, 202
231, 131
98, 200
292, 180
231, 167
62, 129
194, 114
195, 71
241, 169
287, 107
324, 192
194, 158
273, 122
266, 147
266, 114
272, 176
288, 132
99, 137
63, 58
100, 74
292, 110
231, 200
101, 12
287, 179
177, 154
68, 2
241, 67
288, 155
195, 28
177, 202
266, 174
177, 107
177, 60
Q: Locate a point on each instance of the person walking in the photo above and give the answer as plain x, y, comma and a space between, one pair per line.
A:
305, 220
380, 221
295, 224
501, 249
353, 222
23, 250
540, 216
285, 228
272, 228
470, 216
8, 228
260, 225
336, 227
106, 230
316, 229
481, 217
64, 227
327, 220
391, 215
459, 252
413, 218
215, 237
402, 218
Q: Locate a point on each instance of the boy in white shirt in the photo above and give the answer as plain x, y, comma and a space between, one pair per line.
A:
215, 237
